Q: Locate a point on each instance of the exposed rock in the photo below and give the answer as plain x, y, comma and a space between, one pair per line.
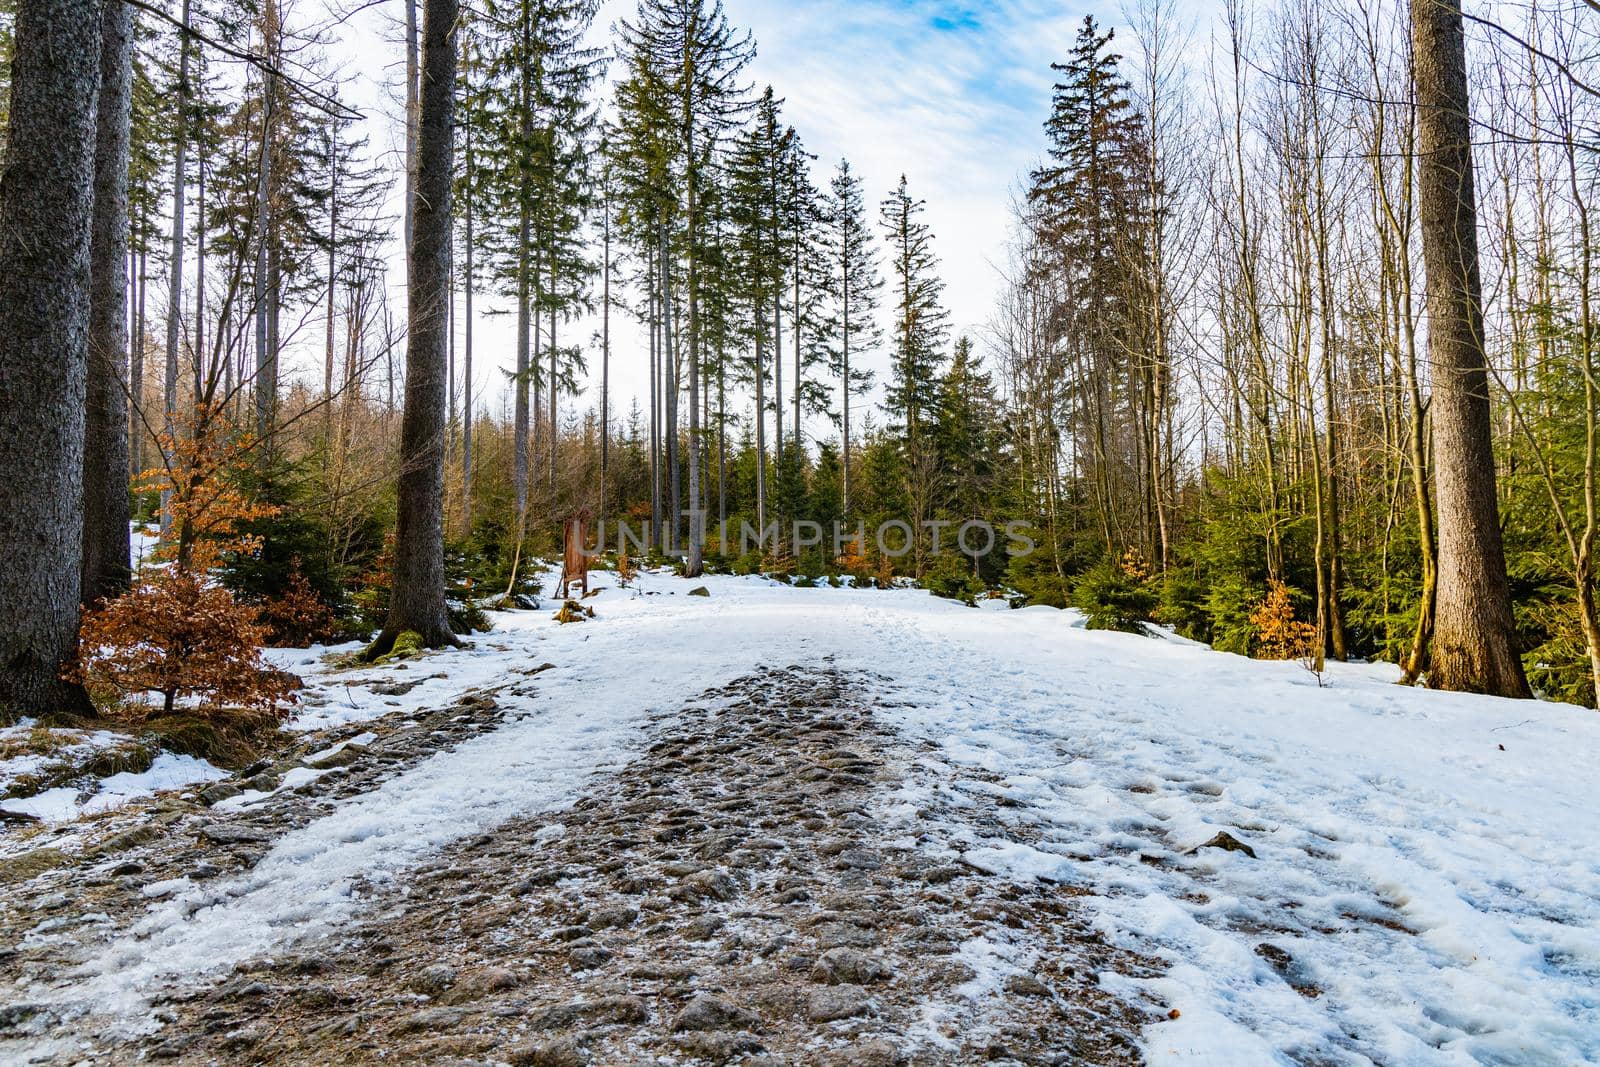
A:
706, 1012
233, 834
433, 980
433, 1019
217, 792
1026, 985
1226, 842
841, 966
876, 1052
828, 1003
562, 1052
713, 885
699, 590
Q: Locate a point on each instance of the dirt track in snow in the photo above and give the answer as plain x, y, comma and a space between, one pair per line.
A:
730, 896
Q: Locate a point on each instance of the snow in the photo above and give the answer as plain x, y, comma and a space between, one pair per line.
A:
1434, 896
64, 803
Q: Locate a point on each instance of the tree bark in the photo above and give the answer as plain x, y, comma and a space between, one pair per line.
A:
1474, 640
694, 564
416, 602
466, 360
105, 431
46, 207
266, 373
180, 153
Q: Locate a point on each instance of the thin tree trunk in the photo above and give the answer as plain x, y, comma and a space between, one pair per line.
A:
417, 601
519, 417
46, 209
105, 432
333, 240
266, 375
466, 356
1474, 637
200, 271
411, 120
655, 405
180, 155
670, 368
695, 563
135, 369
761, 432
605, 356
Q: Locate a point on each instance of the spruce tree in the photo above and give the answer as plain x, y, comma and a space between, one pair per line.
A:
920, 321
854, 288
756, 214
416, 602
1086, 204
695, 58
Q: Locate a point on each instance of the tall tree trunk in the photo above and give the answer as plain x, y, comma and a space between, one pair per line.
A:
266, 373
105, 431
695, 564
655, 403
417, 601
670, 369
46, 208
555, 390
200, 275
180, 157
333, 280
411, 120
466, 357
844, 364
605, 355
519, 416
1474, 640
761, 431
135, 368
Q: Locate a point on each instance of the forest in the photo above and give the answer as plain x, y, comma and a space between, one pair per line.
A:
1294, 352
843, 533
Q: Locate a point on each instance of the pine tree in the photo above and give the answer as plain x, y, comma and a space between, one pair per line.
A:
417, 602
755, 212
920, 321
694, 59
854, 289
1086, 201
965, 426
538, 125
802, 212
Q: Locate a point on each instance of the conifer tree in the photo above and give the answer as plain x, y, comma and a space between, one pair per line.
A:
756, 213
46, 211
1086, 200
920, 321
854, 288
695, 59
537, 85
417, 603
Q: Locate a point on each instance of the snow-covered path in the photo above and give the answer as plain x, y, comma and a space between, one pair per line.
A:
1426, 881
1427, 866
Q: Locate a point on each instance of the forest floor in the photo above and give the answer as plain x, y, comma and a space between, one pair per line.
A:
812, 826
